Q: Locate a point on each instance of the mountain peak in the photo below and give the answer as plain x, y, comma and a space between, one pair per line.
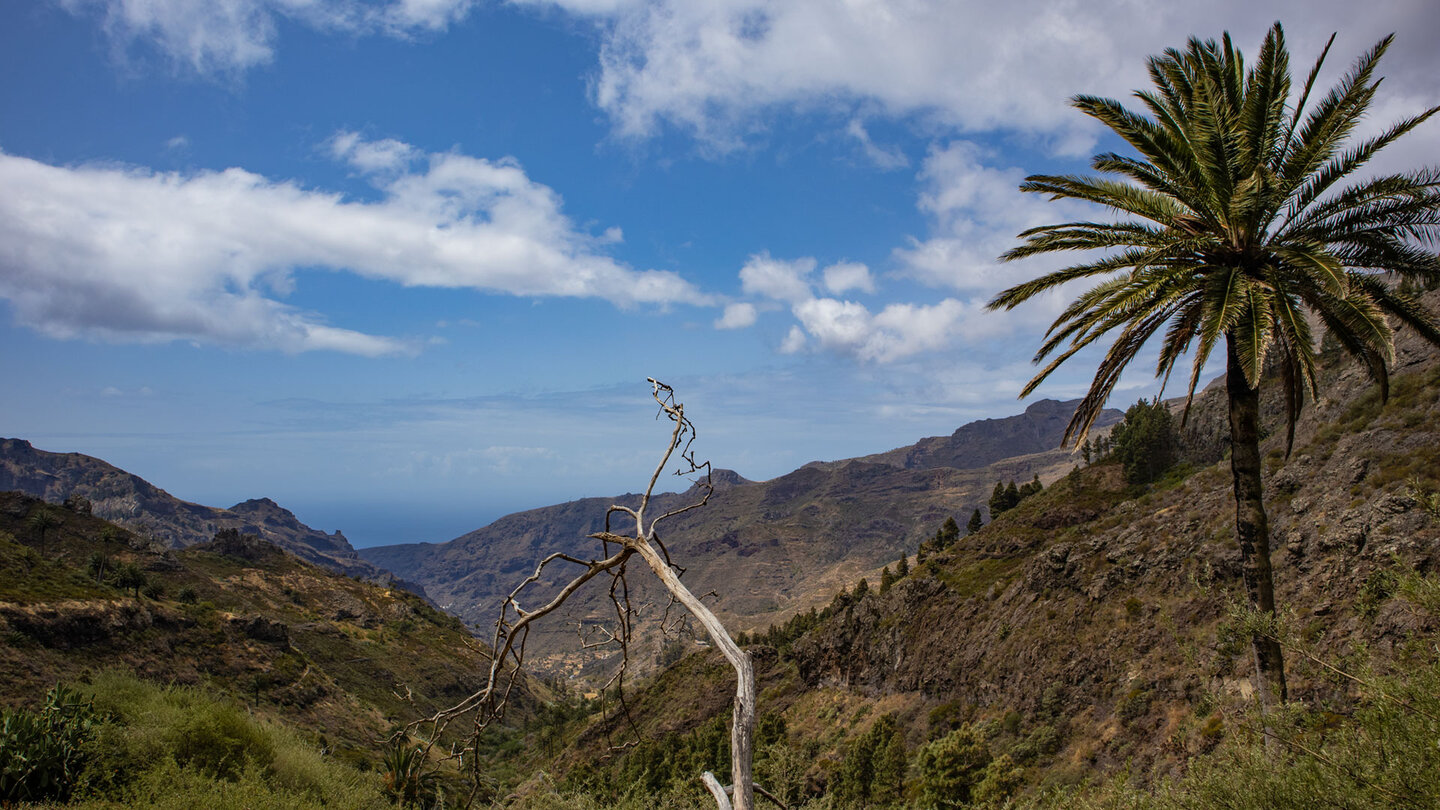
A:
722, 478
1048, 406
259, 505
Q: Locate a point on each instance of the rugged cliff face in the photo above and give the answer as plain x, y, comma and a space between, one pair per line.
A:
144, 508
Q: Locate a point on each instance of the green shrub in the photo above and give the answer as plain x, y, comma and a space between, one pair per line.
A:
951, 767
409, 780
42, 753
1001, 780
1134, 705
179, 747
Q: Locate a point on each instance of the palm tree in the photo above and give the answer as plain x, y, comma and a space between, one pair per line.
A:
41, 521
1245, 222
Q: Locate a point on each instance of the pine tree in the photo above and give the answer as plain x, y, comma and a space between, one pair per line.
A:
948, 534
889, 767
950, 767
975, 523
998, 502
1032, 488
886, 580
1145, 442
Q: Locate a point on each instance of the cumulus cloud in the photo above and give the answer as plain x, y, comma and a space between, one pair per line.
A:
786, 281
845, 276
715, 67
976, 210
737, 316
897, 331
218, 36
710, 66
846, 327
132, 254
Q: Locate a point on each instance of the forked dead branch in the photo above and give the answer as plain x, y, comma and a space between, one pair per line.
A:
634, 535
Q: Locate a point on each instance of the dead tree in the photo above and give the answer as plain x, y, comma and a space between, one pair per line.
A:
618, 547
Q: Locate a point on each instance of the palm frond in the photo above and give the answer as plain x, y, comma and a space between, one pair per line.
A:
1242, 222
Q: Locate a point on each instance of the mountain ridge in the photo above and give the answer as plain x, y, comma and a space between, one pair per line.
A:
128, 500
772, 547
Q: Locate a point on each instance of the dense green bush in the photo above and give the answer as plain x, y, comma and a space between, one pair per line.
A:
145, 745
951, 767
42, 753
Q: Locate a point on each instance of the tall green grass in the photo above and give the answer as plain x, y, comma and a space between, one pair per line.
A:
178, 747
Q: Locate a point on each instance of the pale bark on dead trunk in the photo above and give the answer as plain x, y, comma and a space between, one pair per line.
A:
1252, 530
513, 626
742, 730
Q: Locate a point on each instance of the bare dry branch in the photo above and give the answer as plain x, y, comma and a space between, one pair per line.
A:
512, 627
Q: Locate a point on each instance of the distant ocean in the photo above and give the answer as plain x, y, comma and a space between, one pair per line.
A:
367, 524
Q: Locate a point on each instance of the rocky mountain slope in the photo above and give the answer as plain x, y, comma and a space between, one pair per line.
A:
145, 509
1097, 628
769, 548
335, 656
987, 441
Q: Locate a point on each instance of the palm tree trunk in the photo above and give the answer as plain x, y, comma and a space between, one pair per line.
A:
1252, 530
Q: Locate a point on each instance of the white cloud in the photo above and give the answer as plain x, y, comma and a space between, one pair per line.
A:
133, 254
774, 278
794, 341
845, 276
712, 66
715, 68
737, 316
897, 331
372, 156
219, 36
706, 65
976, 210
849, 327
891, 158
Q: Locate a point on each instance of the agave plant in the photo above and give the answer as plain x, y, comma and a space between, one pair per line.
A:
408, 780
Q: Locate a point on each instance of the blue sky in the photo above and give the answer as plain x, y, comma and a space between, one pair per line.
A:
404, 265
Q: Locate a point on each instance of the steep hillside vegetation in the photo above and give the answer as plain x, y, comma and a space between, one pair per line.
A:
153, 513
1098, 630
237, 617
